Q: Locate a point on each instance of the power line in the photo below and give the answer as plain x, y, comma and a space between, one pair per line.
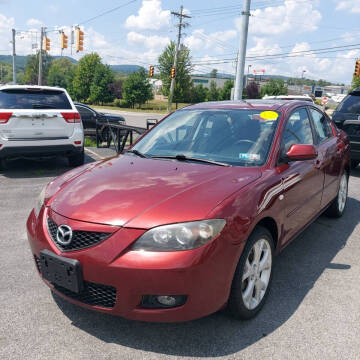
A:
107, 12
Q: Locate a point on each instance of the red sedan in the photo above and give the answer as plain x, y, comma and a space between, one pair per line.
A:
189, 219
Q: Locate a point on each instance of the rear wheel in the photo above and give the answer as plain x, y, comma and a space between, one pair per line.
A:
77, 159
337, 207
354, 163
252, 277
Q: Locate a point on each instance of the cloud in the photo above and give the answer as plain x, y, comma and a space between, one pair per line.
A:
150, 17
276, 20
353, 6
150, 42
34, 22
216, 41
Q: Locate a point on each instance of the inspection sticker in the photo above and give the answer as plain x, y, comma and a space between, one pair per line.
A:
251, 157
269, 115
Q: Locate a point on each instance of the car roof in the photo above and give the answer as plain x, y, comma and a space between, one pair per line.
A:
260, 104
4, 87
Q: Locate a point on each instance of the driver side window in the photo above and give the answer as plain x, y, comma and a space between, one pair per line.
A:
297, 130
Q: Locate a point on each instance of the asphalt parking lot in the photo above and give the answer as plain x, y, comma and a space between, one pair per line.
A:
313, 311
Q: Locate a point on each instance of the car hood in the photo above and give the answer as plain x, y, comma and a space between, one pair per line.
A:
143, 193
113, 116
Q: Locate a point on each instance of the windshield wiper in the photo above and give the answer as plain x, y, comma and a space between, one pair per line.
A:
138, 153
43, 106
182, 157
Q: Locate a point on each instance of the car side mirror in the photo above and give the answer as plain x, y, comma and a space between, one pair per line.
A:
298, 152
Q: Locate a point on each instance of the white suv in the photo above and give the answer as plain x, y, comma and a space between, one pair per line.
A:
39, 121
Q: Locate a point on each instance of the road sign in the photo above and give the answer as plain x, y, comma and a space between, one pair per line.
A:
324, 100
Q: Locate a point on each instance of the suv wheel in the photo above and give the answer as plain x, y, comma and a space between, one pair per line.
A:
253, 274
77, 159
354, 163
337, 207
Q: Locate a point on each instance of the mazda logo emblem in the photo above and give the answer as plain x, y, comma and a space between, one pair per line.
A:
64, 235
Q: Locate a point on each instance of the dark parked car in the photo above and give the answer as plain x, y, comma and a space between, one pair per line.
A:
91, 117
190, 218
347, 117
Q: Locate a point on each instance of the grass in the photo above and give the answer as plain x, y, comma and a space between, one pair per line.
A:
153, 106
89, 142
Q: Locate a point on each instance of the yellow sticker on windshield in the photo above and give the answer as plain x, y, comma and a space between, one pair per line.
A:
269, 115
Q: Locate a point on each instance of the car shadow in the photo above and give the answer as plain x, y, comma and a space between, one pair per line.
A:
38, 167
296, 270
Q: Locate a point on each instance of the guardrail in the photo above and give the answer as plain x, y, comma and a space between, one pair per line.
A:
118, 134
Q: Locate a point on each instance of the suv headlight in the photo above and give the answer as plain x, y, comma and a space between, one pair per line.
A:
39, 202
182, 236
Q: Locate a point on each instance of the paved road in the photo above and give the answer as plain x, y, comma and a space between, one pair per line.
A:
134, 118
313, 311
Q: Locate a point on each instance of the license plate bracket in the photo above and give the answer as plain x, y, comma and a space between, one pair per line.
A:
61, 271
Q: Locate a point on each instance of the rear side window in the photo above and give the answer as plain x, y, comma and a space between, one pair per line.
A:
322, 125
33, 99
351, 104
297, 130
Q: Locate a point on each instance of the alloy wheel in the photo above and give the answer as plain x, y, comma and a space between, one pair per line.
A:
256, 274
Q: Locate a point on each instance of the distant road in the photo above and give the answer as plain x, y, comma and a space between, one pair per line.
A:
134, 118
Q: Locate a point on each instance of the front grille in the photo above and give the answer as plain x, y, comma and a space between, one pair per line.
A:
80, 239
92, 294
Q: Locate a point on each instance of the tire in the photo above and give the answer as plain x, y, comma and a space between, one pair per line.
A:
247, 278
2, 164
338, 206
354, 163
77, 159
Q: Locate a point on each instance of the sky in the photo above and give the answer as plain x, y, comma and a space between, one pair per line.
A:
286, 37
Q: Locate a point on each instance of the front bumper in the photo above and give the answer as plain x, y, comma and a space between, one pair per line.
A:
204, 274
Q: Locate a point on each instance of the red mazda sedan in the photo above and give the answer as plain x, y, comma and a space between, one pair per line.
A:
189, 219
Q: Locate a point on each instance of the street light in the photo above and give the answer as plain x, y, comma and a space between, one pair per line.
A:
247, 77
302, 79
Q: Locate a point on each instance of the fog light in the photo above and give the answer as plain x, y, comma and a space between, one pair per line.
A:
166, 300
162, 301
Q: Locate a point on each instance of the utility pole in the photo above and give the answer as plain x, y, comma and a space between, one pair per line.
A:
180, 26
13, 56
40, 56
239, 79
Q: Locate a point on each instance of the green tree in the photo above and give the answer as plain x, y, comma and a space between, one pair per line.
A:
274, 87
213, 73
137, 89
61, 73
355, 83
198, 94
84, 76
213, 94
100, 90
5, 73
225, 92
183, 70
31, 72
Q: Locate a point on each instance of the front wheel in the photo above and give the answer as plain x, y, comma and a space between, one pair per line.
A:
252, 277
337, 207
77, 159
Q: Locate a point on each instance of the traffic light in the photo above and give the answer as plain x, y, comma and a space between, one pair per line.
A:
172, 73
357, 69
79, 40
64, 41
46, 45
151, 71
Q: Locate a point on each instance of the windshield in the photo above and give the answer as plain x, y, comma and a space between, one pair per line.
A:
33, 99
234, 137
351, 104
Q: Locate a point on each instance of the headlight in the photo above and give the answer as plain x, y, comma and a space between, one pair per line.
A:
39, 201
176, 237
